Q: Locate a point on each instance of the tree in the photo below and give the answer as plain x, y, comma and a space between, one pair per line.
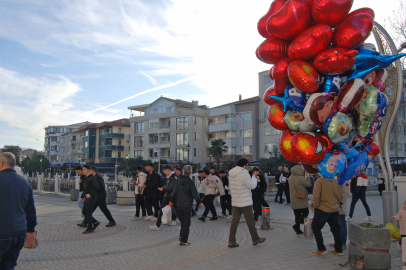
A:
132, 165
15, 152
35, 165
396, 24
270, 165
218, 148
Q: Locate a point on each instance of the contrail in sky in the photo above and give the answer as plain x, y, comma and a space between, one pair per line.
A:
146, 91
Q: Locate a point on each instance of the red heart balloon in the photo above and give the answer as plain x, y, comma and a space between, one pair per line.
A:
353, 31
335, 61
303, 76
285, 147
310, 3
331, 12
280, 87
275, 7
275, 116
291, 20
308, 44
270, 92
362, 11
271, 50
280, 74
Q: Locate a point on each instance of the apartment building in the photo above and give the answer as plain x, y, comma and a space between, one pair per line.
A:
51, 141
29, 152
106, 142
70, 147
268, 136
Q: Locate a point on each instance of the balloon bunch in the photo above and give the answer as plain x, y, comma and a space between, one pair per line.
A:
328, 87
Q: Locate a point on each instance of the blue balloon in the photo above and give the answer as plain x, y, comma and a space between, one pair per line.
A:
356, 166
350, 152
332, 164
330, 84
294, 99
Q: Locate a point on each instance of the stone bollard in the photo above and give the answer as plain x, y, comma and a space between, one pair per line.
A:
77, 178
57, 181
125, 184
39, 182
266, 216
308, 231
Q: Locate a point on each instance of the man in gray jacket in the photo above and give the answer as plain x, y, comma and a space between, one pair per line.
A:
210, 186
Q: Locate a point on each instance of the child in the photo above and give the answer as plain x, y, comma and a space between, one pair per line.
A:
402, 217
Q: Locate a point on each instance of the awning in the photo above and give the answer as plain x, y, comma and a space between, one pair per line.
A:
253, 163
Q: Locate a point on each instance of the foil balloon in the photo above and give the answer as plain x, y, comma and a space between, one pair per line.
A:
380, 78
318, 107
309, 147
270, 73
330, 84
331, 12
272, 50
285, 146
349, 151
270, 91
293, 119
374, 151
332, 164
356, 166
369, 60
303, 76
339, 127
296, 99
280, 74
311, 42
351, 95
275, 116
285, 24
275, 7
364, 10
312, 169
371, 111
328, 142
335, 60
353, 31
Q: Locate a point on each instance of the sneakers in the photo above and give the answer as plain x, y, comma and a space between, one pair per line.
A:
202, 219
178, 228
154, 228
148, 217
319, 253
81, 220
222, 215
230, 217
143, 217
333, 252
184, 244
297, 229
332, 245
173, 223
83, 225
348, 219
368, 218
111, 224
153, 219
287, 204
233, 245
260, 240
136, 218
95, 225
214, 218
88, 231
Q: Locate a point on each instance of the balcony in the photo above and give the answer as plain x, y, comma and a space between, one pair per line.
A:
181, 127
139, 145
110, 160
222, 126
111, 135
76, 152
139, 131
182, 143
111, 147
76, 141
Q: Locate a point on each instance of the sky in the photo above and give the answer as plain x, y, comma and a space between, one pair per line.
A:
64, 62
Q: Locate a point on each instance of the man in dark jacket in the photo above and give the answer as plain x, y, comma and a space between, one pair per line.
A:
183, 195
225, 200
279, 185
285, 176
258, 193
18, 217
101, 197
167, 189
214, 172
151, 192
90, 193
82, 179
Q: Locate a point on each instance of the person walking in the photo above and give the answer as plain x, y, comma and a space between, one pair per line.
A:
167, 189
151, 192
210, 186
225, 200
101, 198
279, 185
183, 195
18, 216
82, 179
326, 200
240, 184
199, 182
360, 194
258, 193
395, 184
139, 194
381, 182
285, 183
342, 211
90, 192
299, 195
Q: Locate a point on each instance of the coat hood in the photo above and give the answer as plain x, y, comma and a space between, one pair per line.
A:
183, 180
236, 171
297, 170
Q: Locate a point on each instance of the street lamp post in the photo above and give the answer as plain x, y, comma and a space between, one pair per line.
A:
188, 148
40, 166
127, 157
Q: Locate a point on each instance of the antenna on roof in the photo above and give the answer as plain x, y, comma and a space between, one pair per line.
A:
240, 97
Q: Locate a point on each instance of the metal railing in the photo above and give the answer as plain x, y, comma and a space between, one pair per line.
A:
65, 185
48, 184
33, 182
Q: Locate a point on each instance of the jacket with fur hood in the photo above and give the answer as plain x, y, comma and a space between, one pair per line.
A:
240, 184
142, 177
215, 184
298, 182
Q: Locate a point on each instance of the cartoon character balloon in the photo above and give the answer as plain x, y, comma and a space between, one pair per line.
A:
318, 107
357, 165
330, 84
339, 127
332, 164
351, 95
275, 116
303, 76
309, 147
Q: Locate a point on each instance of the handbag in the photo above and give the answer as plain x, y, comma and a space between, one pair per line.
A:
33, 244
299, 194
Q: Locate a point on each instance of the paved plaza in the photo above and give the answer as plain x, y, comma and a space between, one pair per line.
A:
131, 245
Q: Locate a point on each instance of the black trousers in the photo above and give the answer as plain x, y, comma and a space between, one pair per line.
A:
355, 198
184, 214
381, 187
279, 193
258, 202
209, 205
319, 220
152, 202
164, 203
225, 202
300, 215
87, 211
101, 203
287, 192
139, 203
201, 195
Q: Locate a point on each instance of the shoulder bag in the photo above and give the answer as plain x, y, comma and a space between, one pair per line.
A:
299, 194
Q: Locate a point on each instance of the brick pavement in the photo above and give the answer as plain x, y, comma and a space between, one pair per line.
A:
131, 245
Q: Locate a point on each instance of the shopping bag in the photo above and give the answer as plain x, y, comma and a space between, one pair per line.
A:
166, 215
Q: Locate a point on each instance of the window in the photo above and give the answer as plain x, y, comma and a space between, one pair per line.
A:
209, 137
119, 130
400, 146
119, 142
86, 144
93, 144
231, 134
194, 152
268, 131
267, 79
61, 150
62, 140
270, 147
369, 171
138, 142
194, 136
181, 123
181, 154
92, 155
93, 132
266, 113
52, 148
73, 138
101, 154
230, 119
234, 150
182, 139
139, 127
400, 130
87, 133
155, 111
169, 109
139, 153
246, 133
153, 124
61, 159
246, 116
194, 120
247, 149
119, 154
391, 146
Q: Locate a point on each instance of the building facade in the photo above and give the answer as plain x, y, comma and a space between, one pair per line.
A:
70, 147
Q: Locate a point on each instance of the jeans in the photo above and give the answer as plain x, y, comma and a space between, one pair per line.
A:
279, 193
10, 250
300, 215
185, 214
249, 219
101, 203
258, 203
225, 201
359, 196
149, 202
81, 204
319, 220
209, 206
343, 226
164, 203
139, 203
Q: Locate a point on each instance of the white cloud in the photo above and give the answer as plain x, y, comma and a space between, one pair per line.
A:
149, 77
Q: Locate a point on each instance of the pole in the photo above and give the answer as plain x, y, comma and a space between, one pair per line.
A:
159, 156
